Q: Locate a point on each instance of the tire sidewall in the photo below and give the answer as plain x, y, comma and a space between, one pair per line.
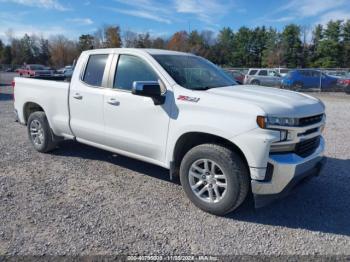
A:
41, 117
233, 185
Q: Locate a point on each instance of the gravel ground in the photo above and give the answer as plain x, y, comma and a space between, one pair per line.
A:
82, 200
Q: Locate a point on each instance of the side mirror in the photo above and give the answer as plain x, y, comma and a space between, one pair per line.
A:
150, 89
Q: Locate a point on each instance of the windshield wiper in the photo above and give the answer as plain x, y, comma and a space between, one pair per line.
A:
204, 88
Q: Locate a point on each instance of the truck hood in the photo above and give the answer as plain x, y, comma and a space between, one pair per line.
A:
273, 101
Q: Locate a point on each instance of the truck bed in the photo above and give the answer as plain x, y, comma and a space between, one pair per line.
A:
51, 95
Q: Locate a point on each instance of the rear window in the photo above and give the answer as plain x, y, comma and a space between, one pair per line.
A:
263, 73
252, 72
95, 69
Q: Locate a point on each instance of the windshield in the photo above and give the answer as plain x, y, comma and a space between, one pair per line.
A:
194, 72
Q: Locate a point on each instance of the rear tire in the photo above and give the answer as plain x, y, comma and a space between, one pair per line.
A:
297, 86
255, 82
227, 193
40, 133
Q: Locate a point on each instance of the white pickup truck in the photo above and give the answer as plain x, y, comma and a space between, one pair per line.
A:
181, 112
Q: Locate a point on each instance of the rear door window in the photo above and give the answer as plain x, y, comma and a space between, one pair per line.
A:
263, 73
95, 69
252, 72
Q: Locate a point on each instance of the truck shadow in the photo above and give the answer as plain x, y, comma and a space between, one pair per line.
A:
74, 149
321, 204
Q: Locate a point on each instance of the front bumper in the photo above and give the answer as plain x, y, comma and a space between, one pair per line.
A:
288, 171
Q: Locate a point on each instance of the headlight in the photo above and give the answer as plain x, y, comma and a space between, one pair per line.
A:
269, 121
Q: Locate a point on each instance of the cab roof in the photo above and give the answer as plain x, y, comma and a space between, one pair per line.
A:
136, 50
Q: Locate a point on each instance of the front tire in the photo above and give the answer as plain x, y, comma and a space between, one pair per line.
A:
214, 178
40, 133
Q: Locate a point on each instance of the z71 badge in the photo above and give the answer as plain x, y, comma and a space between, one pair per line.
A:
189, 99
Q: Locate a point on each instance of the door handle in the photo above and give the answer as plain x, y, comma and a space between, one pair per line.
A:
78, 96
113, 102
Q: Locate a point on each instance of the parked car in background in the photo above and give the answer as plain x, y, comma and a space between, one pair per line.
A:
34, 71
10, 70
68, 73
345, 84
337, 73
282, 71
19, 69
64, 69
236, 75
309, 79
263, 76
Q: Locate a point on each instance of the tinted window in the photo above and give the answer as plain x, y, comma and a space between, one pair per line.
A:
263, 73
252, 72
130, 69
316, 73
94, 70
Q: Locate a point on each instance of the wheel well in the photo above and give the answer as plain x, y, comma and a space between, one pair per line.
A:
189, 140
30, 108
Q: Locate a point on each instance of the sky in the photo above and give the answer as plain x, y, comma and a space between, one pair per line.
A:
160, 17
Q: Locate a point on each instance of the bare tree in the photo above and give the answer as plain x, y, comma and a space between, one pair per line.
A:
129, 38
63, 51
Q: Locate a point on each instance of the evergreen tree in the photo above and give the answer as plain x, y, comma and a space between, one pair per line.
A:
329, 51
292, 46
44, 52
317, 36
1, 50
7, 55
242, 48
346, 44
86, 42
273, 53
